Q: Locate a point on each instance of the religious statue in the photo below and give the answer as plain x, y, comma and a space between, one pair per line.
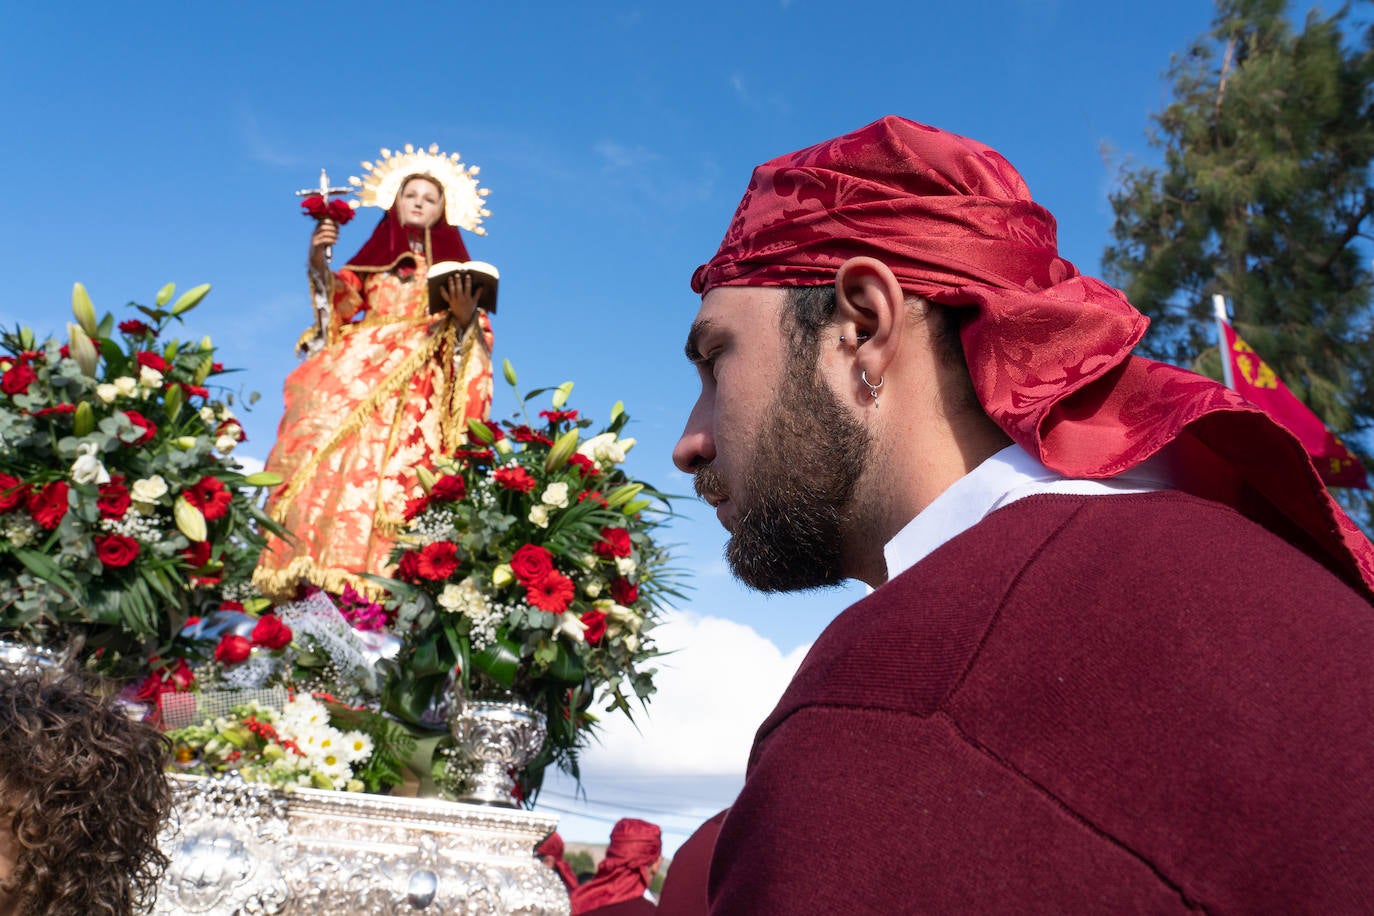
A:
390, 376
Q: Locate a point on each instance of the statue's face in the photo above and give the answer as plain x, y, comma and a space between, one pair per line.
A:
420, 203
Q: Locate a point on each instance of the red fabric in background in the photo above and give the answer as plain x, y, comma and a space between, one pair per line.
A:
553, 848
1049, 350
1115, 715
390, 243
1253, 378
624, 874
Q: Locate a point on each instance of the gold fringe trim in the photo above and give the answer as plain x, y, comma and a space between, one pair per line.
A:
281, 584
354, 422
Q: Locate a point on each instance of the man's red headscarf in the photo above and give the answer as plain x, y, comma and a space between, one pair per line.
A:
625, 873
1048, 349
391, 241
553, 848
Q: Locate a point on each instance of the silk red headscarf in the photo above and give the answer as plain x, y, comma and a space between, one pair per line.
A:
553, 848
390, 241
1048, 349
627, 869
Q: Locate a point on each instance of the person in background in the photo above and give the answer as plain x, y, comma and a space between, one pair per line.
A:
550, 852
83, 796
684, 887
621, 884
1117, 655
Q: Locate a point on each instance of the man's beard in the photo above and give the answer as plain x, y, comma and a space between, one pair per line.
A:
800, 487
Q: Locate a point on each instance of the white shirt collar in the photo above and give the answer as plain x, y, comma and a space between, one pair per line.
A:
1007, 476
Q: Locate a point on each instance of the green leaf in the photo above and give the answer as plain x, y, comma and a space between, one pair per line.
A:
499, 661
44, 568
567, 666
190, 299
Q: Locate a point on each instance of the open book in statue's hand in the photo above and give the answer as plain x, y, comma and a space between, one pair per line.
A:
484, 281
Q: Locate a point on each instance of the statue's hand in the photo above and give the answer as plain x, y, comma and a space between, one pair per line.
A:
324, 236
458, 295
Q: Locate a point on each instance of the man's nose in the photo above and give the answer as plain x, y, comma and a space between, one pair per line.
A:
697, 445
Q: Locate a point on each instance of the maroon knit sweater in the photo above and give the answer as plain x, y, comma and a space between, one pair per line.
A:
1119, 704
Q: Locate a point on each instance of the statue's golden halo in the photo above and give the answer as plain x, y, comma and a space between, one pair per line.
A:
463, 198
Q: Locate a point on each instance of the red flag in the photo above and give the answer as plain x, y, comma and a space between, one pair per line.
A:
1252, 377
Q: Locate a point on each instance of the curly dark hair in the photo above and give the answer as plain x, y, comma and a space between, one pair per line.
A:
84, 792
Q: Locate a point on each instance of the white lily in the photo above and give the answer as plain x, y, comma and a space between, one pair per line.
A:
570, 626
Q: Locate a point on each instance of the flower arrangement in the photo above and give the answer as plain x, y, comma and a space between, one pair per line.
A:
121, 510
529, 567
294, 746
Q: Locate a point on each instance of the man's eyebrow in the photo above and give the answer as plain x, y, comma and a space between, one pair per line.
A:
692, 349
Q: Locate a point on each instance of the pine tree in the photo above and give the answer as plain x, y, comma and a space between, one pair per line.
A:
1264, 196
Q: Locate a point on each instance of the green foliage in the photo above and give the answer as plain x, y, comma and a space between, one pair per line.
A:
1263, 196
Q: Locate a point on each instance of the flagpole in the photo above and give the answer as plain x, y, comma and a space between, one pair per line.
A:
1219, 310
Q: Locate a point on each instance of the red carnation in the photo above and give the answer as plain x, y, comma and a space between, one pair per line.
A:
171, 679
531, 563
270, 633
558, 416
197, 555
56, 408
593, 495
624, 592
515, 478
196, 391
408, 567
230, 606
475, 455
116, 550
233, 649
48, 505
615, 542
17, 380
315, 207
449, 488
151, 360
141, 422
13, 492
340, 212
209, 496
216, 368
595, 621
113, 501
133, 327
585, 466
438, 560
553, 593
415, 506
525, 434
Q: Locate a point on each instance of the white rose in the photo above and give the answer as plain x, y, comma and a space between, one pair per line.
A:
624, 565
207, 414
106, 392
148, 377
592, 588
87, 467
556, 495
148, 489
451, 598
539, 515
225, 444
126, 386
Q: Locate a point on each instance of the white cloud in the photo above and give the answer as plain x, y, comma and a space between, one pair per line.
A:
686, 760
719, 684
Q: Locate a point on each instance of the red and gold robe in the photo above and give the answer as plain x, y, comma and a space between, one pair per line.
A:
386, 394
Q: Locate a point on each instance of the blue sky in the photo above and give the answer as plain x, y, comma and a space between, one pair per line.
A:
165, 144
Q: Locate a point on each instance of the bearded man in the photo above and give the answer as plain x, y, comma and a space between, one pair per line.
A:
1118, 653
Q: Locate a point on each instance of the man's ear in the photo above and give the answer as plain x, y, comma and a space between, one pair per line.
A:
871, 310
